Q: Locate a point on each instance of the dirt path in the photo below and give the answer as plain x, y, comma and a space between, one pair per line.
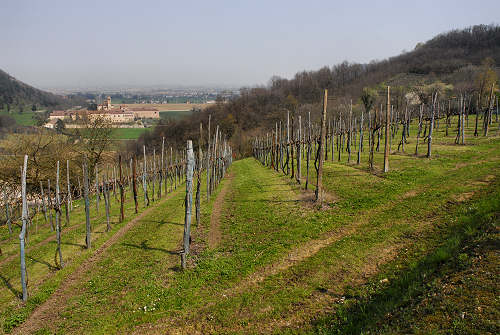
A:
47, 313
214, 233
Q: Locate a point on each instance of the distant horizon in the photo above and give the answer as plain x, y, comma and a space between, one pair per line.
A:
90, 45
145, 88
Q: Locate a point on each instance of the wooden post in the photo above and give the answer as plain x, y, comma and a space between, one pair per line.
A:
114, 183
387, 131
49, 203
319, 191
58, 219
292, 144
130, 181
487, 114
189, 196
122, 191
431, 126
360, 138
463, 121
308, 156
153, 166
87, 204
70, 197
161, 167
288, 142
208, 160
97, 194
23, 229
198, 182
7, 212
349, 135
299, 163
144, 181
171, 172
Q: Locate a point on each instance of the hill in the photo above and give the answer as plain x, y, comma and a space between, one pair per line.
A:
453, 57
15, 94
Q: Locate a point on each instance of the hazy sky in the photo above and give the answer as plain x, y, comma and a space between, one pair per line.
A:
70, 43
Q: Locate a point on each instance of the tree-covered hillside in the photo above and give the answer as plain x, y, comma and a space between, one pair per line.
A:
15, 94
454, 57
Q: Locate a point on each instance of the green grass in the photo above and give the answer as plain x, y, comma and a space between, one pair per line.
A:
174, 114
25, 118
44, 277
128, 133
391, 237
414, 278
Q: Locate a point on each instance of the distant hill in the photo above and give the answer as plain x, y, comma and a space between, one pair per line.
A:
15, 93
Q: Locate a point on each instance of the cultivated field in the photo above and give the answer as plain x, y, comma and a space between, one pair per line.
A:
168, 107
377, 257
128, 133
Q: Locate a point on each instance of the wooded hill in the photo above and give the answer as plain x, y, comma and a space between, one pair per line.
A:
15, 94
453, 57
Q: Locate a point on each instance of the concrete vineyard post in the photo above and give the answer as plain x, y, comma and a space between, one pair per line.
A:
198, 182
189, 198
66, 209
23, 229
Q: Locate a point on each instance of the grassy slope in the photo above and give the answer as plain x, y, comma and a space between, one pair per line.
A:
398, 227
44, 276
25, 118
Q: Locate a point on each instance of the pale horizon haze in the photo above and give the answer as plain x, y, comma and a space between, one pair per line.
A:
84, 44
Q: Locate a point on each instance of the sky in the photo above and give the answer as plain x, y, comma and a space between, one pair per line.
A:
141, 43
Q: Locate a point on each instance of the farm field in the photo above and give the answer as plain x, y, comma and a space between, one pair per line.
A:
168, 107
128, 133
266, 260
174, 114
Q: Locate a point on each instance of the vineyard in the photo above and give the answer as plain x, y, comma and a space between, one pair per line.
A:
112, 249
